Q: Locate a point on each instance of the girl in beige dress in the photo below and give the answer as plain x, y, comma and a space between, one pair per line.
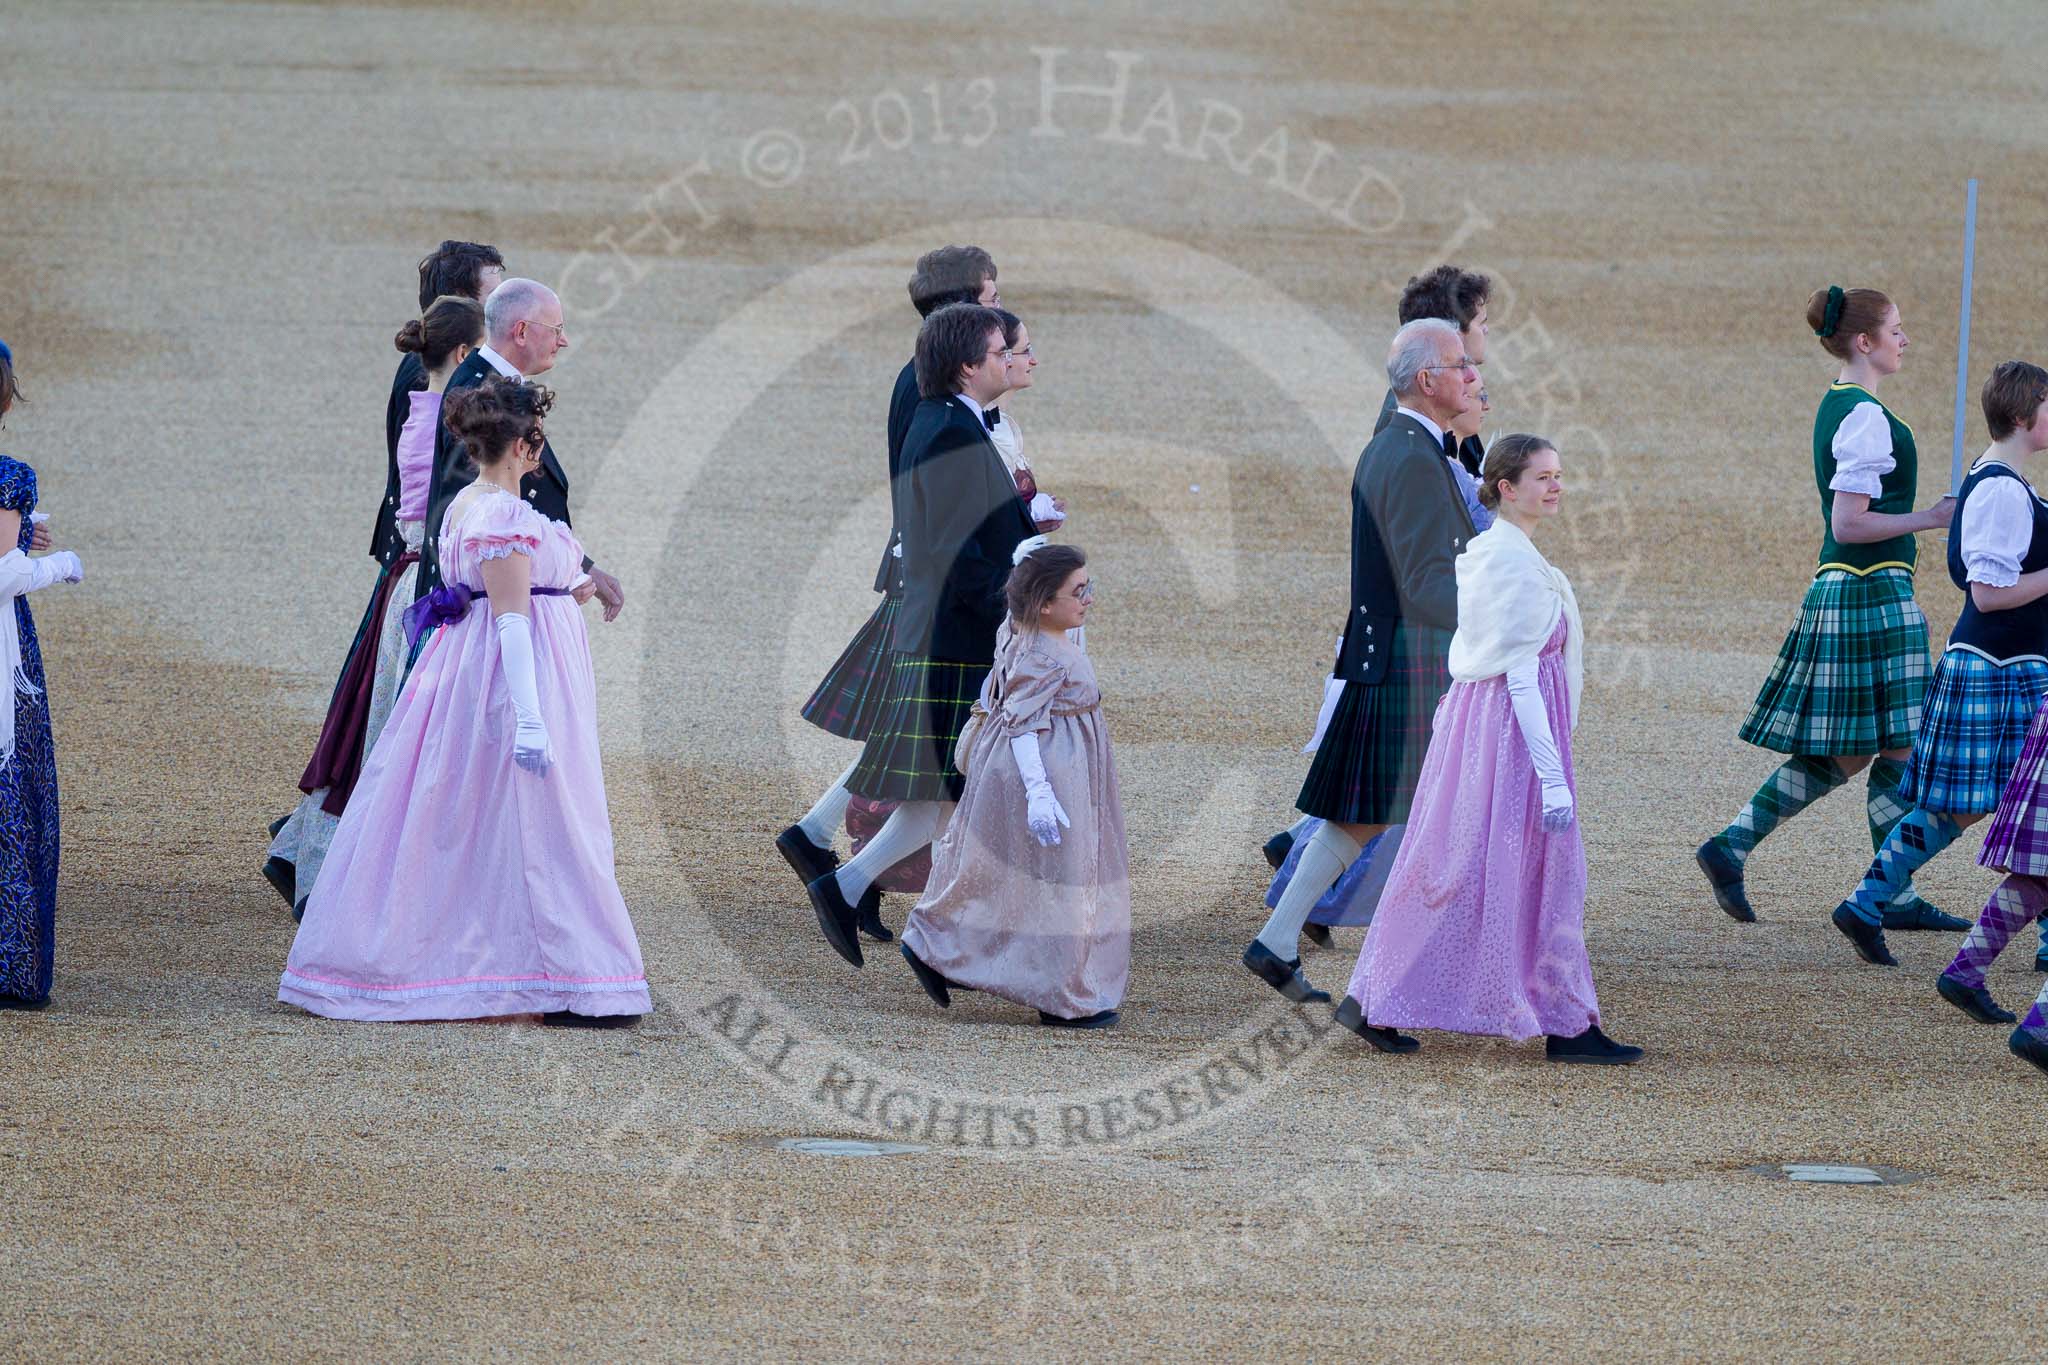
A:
1030, 892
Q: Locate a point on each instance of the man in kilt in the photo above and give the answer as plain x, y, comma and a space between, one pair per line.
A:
959, 521
1408, 525
849, 699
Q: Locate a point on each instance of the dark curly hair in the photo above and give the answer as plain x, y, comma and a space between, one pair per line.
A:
453, 268
490, 417
1036, 581
1446, 292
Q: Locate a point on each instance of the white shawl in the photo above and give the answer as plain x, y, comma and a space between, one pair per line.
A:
1509, 600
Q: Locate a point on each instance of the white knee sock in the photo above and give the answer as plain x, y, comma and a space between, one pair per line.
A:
909, 828
821, 826
1329, 851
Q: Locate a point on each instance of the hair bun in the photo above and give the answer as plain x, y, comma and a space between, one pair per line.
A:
1831, 313
412, 337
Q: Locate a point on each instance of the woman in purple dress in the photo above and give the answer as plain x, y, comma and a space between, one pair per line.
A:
1481, 928
472, 872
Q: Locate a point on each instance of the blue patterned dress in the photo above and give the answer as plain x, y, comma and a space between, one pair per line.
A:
28, 797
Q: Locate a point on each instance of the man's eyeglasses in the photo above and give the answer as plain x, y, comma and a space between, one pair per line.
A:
560, 335
1463, 363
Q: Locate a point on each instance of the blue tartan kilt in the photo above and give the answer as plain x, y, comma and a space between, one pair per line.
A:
1972, 732
850, 699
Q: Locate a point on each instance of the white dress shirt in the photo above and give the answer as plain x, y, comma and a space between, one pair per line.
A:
1997, 530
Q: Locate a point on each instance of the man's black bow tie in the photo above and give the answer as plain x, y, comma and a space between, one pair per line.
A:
990, 417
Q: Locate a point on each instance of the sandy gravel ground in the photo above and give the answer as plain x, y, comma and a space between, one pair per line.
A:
209, 218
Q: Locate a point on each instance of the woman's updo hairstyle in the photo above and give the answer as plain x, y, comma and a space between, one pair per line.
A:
1837, 316
490, 417
1506, 461
1037, 578
1012, 325
10, 388
449, 321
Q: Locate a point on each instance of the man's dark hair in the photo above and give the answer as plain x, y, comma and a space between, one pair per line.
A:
453, 268
952, 338
1446, 292
951, 274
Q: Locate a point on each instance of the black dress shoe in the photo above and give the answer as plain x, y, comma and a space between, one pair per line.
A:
808, 860
1382, 1039
2029, 1046
1100, 1019
279, 823
934, 984
283, 879
10, 1002
1922, 916
1974, 1001
836, 919
1724, 874
571, 1019
1868, 938
871, 917
1284, 977
1591, 1048
1318, 934
1276, 848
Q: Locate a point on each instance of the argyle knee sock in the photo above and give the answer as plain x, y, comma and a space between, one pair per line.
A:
1324, 858
2036, 1021
1883, 810
1798, 783
821, 824
2014, 902
1914, 840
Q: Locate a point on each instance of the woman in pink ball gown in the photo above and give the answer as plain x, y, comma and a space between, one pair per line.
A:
472, 872
1481, 928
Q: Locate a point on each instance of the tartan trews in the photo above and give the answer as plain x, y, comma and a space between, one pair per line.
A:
1852, 674
1366, 768
1973, 733
909, 754
855, 688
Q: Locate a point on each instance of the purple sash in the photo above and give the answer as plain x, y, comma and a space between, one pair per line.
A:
449, 603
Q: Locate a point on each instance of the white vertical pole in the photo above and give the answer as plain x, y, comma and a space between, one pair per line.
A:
1955, 464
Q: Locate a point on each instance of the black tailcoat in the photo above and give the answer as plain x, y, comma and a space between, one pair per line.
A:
958, 512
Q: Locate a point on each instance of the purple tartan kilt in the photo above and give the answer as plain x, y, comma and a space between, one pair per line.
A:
850, 698
1366, 768
2018, 838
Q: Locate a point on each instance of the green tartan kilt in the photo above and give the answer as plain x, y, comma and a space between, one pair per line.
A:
909, 753
1851, 677
1365, 770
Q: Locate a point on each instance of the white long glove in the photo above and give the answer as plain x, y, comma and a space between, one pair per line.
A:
19, 574
1043, 811
1534, 723
515, 648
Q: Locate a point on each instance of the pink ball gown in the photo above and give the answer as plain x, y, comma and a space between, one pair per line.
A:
1481, 928
459, 885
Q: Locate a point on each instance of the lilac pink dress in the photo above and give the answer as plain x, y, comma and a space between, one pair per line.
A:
1481, 928
1043, 926
459, 885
